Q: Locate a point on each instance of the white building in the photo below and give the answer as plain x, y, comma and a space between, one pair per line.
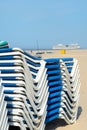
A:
67, 46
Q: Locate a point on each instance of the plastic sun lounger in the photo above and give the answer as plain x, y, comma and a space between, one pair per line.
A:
3, 112
54, 77
12, 83
42, 90
22, 104
39, 74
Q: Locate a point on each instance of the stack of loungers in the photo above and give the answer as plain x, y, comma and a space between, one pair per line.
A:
3, 112
38, 91
63, 82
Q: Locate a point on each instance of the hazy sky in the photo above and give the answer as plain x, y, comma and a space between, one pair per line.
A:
43, 23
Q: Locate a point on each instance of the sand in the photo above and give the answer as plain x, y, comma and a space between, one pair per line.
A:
81, 123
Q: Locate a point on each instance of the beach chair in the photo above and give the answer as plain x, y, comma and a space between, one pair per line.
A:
3, 112
38, 91
63, 77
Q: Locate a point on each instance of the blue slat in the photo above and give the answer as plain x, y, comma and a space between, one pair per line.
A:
52, 60
55, 94
55, 88
55, 83
32, 63
6, 57
8, 91
7, 71
53, 117
53, 100
8, 78
53, 66
7, 64
56, 110
5, 50
67, 59
54, 72
33, 57
9, 85
55, 105
54, 77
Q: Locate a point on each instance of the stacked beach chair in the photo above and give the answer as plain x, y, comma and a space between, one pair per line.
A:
25, 86
64, 84
38, 91
3, 112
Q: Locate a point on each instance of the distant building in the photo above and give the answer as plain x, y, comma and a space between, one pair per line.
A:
67, 46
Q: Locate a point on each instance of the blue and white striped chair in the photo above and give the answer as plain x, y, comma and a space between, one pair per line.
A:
63, 97
3, 112
38, 91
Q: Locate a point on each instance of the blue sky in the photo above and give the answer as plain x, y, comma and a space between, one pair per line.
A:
43, 23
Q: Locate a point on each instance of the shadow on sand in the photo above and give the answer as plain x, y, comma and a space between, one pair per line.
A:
61, 123
79, 112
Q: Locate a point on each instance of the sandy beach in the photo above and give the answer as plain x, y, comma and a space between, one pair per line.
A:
81, 123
